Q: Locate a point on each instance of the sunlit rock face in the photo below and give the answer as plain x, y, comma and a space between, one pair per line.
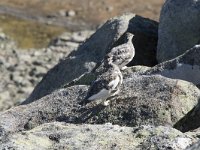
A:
178, 28
184, 67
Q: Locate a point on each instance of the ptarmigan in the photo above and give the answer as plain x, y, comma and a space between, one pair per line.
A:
107, 84
121, 55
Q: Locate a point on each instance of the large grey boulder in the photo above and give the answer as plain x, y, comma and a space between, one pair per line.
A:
64, 136
90, 53
150, 100
178, 29
184, 67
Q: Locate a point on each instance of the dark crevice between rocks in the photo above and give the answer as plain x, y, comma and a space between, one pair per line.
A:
145, 49
145, 41
190, 121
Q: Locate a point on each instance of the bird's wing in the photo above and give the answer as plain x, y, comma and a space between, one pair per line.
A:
102, 94
98, 89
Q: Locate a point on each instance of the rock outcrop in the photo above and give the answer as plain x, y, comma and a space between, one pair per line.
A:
185, 67
150, 100
178, 29
69, 136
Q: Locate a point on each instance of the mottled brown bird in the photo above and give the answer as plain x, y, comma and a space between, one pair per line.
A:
107, 84
121, 55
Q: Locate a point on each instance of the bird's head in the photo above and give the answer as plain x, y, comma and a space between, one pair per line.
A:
129, 36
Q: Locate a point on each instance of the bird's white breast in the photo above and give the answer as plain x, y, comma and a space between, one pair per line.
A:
114, 83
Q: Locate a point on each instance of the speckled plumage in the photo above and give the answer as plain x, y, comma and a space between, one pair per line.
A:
121, 55
107, 84
109, 76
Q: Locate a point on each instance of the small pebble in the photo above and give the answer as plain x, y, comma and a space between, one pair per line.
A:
71, 13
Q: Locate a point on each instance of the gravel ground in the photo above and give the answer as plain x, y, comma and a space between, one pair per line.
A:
21, 70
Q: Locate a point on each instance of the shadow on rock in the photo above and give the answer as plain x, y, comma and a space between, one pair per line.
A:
190, 121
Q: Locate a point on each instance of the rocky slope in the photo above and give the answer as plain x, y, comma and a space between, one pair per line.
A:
156, 107
21, 70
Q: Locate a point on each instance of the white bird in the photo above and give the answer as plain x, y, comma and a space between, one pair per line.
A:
107, 84
121, 55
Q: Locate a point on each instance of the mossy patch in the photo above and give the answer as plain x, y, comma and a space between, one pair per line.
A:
29, 34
